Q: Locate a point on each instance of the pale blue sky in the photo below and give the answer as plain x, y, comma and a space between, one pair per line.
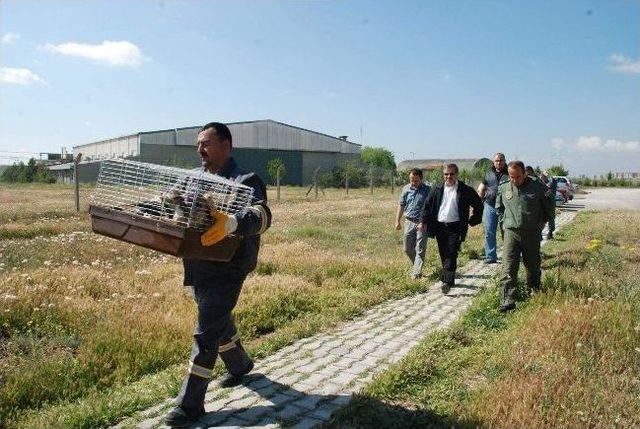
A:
544, 81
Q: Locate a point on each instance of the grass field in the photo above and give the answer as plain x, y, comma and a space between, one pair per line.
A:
93, 329
568, 357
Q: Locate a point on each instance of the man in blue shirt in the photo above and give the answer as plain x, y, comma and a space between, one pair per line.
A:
410, 205
488, 191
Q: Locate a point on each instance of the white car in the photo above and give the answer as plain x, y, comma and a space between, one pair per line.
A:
565, 186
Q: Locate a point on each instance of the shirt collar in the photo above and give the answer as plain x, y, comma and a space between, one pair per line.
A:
229, 167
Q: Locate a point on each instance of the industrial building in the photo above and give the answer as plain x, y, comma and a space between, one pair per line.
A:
254, 144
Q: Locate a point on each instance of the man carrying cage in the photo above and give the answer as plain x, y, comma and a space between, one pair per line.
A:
217, 285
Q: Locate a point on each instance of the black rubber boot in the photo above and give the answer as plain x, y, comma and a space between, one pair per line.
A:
183, 417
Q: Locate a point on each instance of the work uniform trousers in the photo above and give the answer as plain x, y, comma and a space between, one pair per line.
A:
415, 246
525, 242
215, 333
448, 237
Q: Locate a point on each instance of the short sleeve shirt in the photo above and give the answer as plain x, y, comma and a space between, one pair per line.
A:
412, 200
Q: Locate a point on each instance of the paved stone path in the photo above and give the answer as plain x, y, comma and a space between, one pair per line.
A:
303, 384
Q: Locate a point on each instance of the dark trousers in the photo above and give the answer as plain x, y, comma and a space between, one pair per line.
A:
215, 333
448, 238
525, 242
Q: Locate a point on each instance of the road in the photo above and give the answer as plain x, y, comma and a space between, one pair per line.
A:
606, 199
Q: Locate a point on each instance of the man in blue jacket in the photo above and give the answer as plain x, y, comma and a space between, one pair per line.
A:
217, 285
445, 216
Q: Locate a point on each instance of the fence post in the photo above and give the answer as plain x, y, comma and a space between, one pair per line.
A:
278, 181
391, 179
76, 181
346, 181
316, 180
371, 177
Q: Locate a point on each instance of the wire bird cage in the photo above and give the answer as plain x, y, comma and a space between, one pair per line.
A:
165, 208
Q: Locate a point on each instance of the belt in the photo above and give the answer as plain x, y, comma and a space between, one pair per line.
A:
448, 224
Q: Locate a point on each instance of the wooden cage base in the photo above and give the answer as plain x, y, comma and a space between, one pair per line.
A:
160, 236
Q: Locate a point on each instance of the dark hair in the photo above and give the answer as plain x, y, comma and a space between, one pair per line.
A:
452, 166
529, 169
222, 131
416, 172
501, 155
518, 164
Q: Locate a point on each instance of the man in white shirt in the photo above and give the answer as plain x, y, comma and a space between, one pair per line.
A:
446, 217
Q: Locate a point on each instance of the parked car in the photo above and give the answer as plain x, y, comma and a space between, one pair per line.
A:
561, 196
565, 187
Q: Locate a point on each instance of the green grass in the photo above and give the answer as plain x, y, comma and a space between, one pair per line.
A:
94, 329
568, 357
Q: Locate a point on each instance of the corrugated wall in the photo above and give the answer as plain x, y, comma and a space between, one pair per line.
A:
125, 146
176, 156
166, 137
257, 159
270, 135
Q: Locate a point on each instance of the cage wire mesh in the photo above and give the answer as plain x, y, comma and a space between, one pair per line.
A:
170, 195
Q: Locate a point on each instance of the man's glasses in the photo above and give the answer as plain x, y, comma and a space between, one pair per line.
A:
449, 174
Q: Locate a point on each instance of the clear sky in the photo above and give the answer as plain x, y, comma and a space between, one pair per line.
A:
542, 81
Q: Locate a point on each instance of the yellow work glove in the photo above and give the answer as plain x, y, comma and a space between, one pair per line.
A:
223, 225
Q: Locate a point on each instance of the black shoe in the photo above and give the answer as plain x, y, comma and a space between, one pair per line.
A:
446, 287
183, 417
507, 307
231, 380
490, 261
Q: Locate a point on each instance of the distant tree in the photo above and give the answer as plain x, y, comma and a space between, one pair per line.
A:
558, 170
33, 171
483, 165
272, 169
378, 157
609, 175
